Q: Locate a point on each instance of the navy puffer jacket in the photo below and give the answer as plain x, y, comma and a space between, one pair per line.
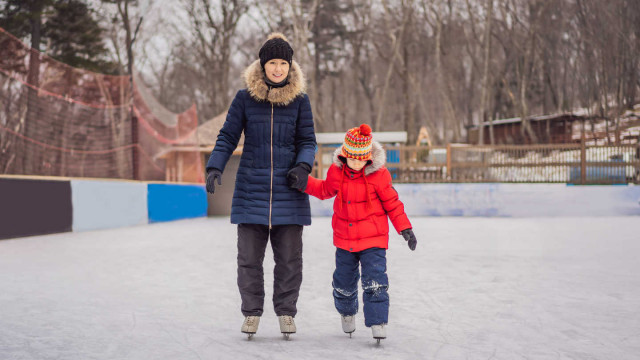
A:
262, 195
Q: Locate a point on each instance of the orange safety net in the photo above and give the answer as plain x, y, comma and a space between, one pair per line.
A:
58, 120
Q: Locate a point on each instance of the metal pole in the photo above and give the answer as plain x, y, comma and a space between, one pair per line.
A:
583, 158
449, 170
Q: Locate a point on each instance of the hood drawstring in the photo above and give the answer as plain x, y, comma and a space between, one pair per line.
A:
366, 186
344, 169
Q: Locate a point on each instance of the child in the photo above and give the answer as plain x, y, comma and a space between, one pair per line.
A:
365, 197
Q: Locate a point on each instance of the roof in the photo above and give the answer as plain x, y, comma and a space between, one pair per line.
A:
380, 136
558, 116
208, 133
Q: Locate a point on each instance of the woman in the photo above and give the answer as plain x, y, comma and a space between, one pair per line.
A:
279, 148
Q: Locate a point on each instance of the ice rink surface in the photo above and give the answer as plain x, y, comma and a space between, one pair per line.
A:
475, 288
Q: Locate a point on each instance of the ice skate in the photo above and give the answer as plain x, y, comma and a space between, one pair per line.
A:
287, 325
379, 332
349, 324
250, 325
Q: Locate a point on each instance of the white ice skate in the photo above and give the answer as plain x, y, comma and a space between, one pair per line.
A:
250, 325
349, 324
287, 325
379, 332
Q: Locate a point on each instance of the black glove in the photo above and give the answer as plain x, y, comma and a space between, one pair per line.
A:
408, 235
298, 176
212, 175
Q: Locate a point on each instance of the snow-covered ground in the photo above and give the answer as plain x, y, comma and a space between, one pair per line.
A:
475, 288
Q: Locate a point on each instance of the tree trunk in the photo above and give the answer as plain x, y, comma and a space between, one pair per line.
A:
484, 115
449, 112
527, 63
409, 96
119, 136
32, 161
316, 78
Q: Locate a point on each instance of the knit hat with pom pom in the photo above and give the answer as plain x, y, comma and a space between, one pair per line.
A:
276, 47
357, 143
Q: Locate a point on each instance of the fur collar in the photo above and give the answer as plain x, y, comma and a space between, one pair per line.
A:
378, 158
258, 89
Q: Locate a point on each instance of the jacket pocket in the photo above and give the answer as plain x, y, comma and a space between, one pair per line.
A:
368, 228
382, 224
291, 131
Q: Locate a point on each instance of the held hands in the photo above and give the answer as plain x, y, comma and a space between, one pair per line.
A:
212, 175
408, 235
298, 176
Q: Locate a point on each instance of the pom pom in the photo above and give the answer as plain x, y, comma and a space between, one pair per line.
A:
277, 35
365, 130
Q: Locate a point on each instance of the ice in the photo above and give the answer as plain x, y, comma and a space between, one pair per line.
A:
475, 288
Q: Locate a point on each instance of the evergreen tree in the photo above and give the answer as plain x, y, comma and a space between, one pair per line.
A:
72, 34
76, 37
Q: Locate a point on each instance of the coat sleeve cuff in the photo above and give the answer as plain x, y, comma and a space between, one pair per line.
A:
401, 223
306, 157
313, 185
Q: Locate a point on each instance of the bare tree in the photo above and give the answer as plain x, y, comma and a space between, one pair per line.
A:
213, 25
443, 64
484, 98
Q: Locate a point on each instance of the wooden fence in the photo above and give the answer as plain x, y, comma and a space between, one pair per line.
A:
553, 163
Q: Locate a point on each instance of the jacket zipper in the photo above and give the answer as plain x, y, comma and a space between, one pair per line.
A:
271, 187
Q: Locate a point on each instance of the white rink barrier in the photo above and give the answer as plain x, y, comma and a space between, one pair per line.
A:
510, 200
108, 204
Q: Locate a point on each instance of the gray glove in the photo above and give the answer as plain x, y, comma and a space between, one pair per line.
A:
212, 175
408, 235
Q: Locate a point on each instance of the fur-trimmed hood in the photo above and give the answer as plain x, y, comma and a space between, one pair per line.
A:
259, 90
378, 158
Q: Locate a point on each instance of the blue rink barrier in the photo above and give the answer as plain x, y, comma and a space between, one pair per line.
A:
167, 202
599, 175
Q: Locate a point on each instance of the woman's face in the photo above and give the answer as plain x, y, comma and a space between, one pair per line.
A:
276, 70
356, 164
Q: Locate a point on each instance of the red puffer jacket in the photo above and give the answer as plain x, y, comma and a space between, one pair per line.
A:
363, 202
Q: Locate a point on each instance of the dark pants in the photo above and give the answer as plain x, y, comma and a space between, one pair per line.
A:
374, 284
286, 242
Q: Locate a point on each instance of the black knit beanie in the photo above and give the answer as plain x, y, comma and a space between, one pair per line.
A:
276, 47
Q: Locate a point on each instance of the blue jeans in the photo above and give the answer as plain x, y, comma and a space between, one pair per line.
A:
374, 284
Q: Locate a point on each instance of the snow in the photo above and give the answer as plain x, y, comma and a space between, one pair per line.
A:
562, 173
475, 288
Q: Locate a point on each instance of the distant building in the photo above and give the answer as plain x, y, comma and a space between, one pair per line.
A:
565, 128
549, 129
180, 164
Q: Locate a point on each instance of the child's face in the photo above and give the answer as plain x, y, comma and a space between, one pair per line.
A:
356, 164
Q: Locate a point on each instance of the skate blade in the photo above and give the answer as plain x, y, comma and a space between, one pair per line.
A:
249, 334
